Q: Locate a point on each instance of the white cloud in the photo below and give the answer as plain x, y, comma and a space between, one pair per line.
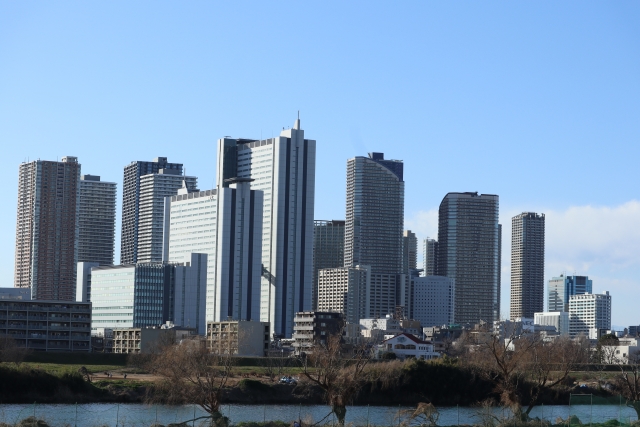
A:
602, 242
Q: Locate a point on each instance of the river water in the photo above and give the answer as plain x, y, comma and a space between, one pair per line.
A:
137, 415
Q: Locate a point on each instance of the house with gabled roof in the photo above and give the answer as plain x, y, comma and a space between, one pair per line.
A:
405, 345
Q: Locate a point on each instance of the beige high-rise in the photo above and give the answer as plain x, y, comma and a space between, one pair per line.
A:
47, 227
527, 265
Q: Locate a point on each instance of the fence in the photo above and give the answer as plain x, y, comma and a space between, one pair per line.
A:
584, 410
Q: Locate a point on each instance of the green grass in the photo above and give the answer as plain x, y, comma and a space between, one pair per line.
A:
59, 369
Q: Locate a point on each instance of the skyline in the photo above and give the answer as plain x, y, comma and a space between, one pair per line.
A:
535, 103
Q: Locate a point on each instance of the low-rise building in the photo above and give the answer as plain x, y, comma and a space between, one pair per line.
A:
559, 319
241, 338
46, 325
407, 346
311, 327
148, 294
627, 350
149, 339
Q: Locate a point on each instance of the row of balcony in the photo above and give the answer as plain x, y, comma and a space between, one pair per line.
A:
21, 307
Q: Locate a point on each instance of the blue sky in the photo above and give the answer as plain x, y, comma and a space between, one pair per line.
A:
537, 102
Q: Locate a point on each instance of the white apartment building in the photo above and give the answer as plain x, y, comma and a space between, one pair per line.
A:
433, 300
153, 190
226, 224
284, 169
589, 313
557, 319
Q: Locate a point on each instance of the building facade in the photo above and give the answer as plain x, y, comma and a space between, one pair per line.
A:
154, 188
226, 224
589, 314
557, 319
96, 220
433, 300
527, 264
149, 339
328, 250
283, 168
375, 213
409, 251
561, 288
47, 325
241, 338
83, 284
131, 203
315, 327
46, 228
430, 257
469, 252
150, 294
344, 290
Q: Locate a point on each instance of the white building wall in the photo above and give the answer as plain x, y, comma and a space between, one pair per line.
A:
284, 169
190, 225
589, 313
558, 319
83, 278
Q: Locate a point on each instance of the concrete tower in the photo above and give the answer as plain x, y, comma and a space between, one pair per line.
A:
96, 220
284, 169
469, 253
131, 203
47, 228
527, 265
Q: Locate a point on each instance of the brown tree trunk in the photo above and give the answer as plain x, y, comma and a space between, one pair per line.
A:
341, 413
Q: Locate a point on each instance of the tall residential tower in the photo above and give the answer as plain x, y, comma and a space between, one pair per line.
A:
527, 265
47, 227
469, 252
375, 213
96, 220
131, 203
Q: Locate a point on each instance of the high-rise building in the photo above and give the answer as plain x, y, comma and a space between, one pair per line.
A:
430, 257
150, 294
374, 230
409, 251
96, 220
328, 250
46, 229
375, 213
131, 203
226, 224
284, 169
154, 188
527, 265
589, 314
433, 300
561, 288
469, 252
345, 290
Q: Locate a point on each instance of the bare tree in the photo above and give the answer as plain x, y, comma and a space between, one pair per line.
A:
548, 365
628, 382
10, 351
502, 361
192, 374
340, 376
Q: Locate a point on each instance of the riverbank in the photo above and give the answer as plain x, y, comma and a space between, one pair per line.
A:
438, 383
